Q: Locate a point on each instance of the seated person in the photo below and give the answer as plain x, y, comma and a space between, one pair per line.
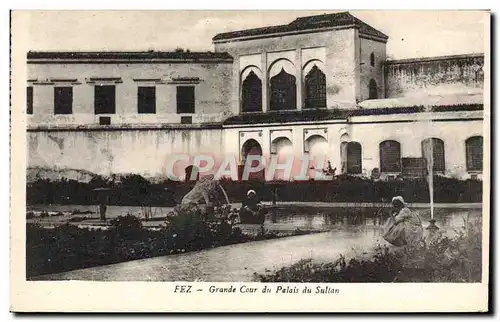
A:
252, 210
404, 226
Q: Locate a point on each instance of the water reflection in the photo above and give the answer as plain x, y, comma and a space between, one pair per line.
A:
284, 218
347, 233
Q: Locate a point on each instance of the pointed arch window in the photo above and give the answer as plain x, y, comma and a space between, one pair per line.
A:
283, 92
372, 59
315, 89
251, 93
372, 89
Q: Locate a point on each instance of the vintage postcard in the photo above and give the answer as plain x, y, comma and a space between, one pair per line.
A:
250, 161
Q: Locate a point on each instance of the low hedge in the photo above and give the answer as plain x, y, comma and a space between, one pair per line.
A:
137, 191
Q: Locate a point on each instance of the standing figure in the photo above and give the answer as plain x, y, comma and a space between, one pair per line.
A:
403, 227
102, 211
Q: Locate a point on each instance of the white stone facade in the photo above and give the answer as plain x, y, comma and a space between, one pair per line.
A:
350, 59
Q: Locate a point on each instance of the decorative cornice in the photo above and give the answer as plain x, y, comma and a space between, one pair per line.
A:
185, 80
146, 57
104, 80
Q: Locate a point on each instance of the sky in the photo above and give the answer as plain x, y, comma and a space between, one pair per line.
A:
411, 33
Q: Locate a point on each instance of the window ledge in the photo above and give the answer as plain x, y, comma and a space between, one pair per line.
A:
253, 112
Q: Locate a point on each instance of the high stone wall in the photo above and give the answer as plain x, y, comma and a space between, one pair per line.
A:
79, 154
432, 76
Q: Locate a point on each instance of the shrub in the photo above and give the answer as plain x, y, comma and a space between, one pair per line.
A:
192, 230
128, 226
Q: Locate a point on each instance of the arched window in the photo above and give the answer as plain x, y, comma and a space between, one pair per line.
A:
251, 147
283, 92
351, 156
373, 91
372, 59
433, 153
474, 153
251, 93
315, 88
390, 156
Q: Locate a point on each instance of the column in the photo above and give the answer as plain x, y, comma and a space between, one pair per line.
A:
263, 61
298, 68
236, 85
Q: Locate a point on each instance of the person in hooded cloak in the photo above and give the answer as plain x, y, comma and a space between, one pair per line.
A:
404, 227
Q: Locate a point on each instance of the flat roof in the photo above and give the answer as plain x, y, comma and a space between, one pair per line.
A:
128, 56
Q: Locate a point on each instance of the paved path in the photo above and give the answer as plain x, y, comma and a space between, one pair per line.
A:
234, 263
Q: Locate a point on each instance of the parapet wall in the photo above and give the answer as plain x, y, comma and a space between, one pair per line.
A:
435, 75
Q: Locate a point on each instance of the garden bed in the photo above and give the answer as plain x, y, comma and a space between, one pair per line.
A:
68, 247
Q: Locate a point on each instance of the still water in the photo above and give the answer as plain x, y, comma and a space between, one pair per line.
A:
348, 232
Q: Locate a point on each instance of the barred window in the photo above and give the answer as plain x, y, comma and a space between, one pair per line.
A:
283, 92
474, 153
315, 88
146, 100
433, 153
104, 99
185, 99
351, 155
63, 100
390, 156
251, 93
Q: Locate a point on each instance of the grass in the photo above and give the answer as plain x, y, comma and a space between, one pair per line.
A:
439, 259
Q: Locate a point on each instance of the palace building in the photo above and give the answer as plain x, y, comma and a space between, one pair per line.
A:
318, 85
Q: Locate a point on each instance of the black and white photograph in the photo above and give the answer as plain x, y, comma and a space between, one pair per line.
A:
257, 147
